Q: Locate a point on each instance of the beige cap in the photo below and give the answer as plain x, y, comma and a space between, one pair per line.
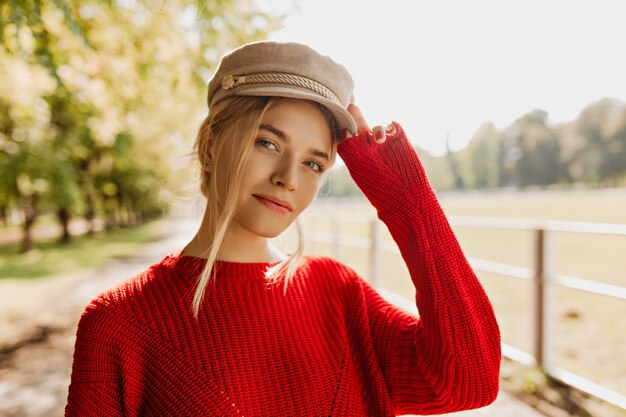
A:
285, 69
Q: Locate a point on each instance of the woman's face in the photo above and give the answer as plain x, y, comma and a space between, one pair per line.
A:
289, 156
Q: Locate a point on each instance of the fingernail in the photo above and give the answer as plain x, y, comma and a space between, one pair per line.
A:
391, 129
379, 135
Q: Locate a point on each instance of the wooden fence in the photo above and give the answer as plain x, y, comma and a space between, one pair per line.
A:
542, 275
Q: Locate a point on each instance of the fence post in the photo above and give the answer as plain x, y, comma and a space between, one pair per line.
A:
543, 298
374, 252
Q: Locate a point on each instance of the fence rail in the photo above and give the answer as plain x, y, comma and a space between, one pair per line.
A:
542, 274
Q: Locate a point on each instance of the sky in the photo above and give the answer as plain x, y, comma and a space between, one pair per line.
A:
442, 68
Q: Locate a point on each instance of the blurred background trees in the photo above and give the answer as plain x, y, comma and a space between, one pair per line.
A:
98, 99
531, 152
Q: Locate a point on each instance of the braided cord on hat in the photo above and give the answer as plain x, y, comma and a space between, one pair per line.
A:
230, 81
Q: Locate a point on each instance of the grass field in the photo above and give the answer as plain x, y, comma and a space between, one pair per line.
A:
48, 257
588, 331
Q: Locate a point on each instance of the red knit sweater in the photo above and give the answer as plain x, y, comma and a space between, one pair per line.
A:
329, 346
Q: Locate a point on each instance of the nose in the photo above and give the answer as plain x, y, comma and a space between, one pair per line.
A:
286, 175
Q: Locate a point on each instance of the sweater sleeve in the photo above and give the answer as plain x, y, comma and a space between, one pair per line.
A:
448, 359
95, 387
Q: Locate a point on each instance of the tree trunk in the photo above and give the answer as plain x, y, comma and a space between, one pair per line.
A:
4, 213
63, 215
30, 214
110, 213
90, 212
122, 210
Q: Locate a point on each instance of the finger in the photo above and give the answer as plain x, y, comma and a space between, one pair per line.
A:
379, 134
345, 134
361, 123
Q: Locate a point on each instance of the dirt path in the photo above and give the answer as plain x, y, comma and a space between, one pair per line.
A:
34, 378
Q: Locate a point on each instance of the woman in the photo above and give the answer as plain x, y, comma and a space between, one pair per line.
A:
232, 326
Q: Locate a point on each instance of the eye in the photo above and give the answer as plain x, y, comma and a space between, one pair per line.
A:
266, 143
315, 166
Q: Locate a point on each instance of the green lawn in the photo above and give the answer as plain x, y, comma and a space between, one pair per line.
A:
588, 330
49, 257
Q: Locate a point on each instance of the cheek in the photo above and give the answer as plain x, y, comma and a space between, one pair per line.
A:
257, 169
308, 189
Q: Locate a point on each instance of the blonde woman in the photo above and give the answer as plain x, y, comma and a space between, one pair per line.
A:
232, 326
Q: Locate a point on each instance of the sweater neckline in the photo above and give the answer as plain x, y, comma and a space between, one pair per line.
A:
240, 271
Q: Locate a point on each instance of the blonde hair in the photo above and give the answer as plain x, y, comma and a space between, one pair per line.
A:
231, 127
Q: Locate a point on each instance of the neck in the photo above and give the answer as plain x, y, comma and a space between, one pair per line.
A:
239, 245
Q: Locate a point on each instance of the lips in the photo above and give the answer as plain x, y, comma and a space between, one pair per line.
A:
275, 200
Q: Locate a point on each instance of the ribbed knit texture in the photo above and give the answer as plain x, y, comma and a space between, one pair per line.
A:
330, 346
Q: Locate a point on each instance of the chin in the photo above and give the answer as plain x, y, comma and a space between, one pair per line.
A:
267, 232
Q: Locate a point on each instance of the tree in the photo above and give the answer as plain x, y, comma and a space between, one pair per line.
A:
480, 160
23, 148
595, 144
459, 183
113, 95
531, 151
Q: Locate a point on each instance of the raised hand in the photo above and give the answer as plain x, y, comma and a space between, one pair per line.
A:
378, 132
383, 163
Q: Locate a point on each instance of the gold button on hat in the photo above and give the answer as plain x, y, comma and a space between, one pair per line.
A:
228, 81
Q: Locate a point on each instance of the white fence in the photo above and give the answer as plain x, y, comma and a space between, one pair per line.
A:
542, 275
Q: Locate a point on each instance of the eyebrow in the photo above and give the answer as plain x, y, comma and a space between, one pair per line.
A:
282, 136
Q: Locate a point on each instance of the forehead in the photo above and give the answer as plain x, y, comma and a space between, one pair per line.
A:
301, 120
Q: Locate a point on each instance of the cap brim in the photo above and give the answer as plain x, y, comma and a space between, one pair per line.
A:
342, 116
